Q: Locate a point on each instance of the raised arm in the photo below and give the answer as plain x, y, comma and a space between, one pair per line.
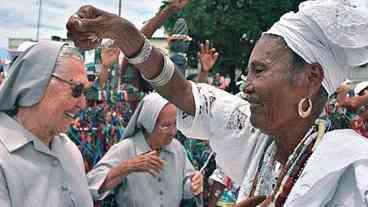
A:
159, 19
108, 57
91, 24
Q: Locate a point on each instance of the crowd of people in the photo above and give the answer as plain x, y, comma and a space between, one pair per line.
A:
136, 132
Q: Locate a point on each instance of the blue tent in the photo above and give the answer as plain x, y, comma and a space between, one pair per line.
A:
5, 57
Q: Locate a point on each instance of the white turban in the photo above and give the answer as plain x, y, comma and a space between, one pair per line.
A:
333, 33
146, 114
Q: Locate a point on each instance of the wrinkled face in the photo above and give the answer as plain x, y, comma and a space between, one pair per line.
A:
272, 92
165, 128
58, 106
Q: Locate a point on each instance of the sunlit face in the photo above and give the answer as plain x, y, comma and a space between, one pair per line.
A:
58, 106
165, 128
272, 95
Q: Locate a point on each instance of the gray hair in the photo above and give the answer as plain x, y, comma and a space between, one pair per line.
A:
65, 53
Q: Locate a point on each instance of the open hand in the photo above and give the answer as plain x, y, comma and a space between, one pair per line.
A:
149, 162
207, 56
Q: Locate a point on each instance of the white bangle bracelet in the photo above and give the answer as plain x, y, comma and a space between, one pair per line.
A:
143, 55
166, 74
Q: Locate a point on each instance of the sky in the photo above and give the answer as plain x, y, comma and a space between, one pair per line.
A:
19, 17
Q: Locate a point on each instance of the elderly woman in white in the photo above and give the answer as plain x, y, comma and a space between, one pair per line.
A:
149, 167
292, 70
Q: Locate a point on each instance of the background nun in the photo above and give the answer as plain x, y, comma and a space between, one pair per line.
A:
39, 166
149, 167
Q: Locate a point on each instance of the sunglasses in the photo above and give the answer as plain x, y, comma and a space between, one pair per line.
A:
78, 89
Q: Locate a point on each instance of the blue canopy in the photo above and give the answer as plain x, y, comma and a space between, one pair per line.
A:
5, 56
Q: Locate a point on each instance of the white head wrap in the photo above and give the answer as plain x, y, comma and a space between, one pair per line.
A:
360, 87
146, 114
333, 33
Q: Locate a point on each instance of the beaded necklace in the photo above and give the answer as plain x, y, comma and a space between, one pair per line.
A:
296, 163
333, 118
294, 166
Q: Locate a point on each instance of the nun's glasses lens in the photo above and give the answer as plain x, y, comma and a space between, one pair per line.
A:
78, 88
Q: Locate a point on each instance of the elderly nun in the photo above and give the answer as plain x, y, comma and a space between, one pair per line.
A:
39, 165
149, 167
292, 69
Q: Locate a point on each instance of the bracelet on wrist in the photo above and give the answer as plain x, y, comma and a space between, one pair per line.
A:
142, 55
166, 74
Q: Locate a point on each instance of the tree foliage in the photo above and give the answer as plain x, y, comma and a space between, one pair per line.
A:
233, 26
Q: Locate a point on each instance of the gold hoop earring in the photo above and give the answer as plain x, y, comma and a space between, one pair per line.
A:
304, 114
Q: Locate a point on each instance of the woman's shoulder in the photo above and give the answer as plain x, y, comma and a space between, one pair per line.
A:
343, 146
339, 153
345, 137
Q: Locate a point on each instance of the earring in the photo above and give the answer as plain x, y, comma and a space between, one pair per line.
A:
304, 114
